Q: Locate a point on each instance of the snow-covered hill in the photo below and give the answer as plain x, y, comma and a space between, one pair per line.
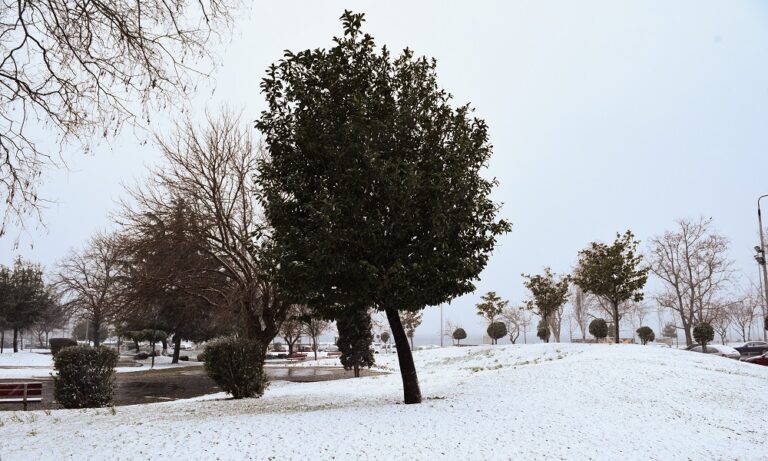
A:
555, 401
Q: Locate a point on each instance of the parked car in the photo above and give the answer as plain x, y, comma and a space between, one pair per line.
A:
759, 360
717, 349
752, 348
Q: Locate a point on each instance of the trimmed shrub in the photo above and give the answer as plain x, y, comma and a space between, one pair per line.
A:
645, 334
459, 334
496, 331
141, 356
542, 331
598, 328
237, 366
385, 337
58, 344
184, 358
703, 333
85, 376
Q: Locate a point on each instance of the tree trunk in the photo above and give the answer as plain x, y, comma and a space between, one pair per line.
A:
2, 340
15, 340
96, 333
314, 346
176, 347
616, 322
164, 342
136, 343
411, 391
357, 370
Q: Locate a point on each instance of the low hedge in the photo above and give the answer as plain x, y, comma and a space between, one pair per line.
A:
85, 376
58, 344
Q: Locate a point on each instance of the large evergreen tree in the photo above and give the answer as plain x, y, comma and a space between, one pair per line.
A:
23, 297
613, 273
372, 185
355, 339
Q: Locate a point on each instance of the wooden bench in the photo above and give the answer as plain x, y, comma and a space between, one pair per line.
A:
21, 393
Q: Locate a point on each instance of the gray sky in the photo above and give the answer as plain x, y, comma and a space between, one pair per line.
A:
605, 115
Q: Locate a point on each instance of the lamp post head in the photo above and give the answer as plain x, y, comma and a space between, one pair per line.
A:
758, 249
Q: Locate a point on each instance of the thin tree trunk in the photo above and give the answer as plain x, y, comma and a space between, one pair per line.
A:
96, 333
2, 340
616, 322
411, 391
357, 370
164, 342
15, 340
314, 346
176, 348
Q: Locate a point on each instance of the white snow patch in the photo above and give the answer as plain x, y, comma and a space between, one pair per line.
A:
544, 401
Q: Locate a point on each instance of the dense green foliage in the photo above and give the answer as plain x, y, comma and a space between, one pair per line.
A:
542, 331
598, 328
385, 337
237, 366
548, 293
645, 334
85, 376
703, 333
459, 334
496, 331
491, 306
355, 339
373, 185
613, 272
58, 344
24, 297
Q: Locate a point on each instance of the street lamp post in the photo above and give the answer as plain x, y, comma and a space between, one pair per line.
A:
760, 257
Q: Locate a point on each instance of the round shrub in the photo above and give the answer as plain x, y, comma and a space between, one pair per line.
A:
542, 331
85, 376
237, 366
184, 358
598, 328
703, 333
459, 334
58, 344
385, 337
496, 331
645, 334
141, 356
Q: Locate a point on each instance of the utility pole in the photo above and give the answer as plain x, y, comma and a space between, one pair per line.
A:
760, 257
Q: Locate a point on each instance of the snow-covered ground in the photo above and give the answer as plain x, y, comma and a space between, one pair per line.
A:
545, 401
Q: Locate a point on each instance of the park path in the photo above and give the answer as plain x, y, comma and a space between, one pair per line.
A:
181, 383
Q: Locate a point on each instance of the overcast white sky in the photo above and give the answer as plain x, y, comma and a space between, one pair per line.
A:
605, 115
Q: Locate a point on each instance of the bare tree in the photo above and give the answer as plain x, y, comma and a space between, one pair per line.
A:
514, 318
692, 262
743, 314
314, 328
721, 322
89, 283
82, 69
583, 304
54, 318
292, 328
210, 169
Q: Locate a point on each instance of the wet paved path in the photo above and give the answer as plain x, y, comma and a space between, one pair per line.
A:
180, 383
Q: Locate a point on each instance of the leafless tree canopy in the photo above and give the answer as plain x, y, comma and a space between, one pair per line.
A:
692, 262
84, 67
210, 169
89, 282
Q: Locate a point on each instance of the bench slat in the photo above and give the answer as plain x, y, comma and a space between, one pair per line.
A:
33, 399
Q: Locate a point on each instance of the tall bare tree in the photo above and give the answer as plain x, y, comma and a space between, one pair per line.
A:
744, 312
83, 69
693, 264
721, 322
583, 304
89, 282
210, 168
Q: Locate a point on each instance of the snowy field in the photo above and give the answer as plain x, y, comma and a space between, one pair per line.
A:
553, 401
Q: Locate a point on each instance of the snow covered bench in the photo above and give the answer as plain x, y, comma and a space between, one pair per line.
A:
21, 393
